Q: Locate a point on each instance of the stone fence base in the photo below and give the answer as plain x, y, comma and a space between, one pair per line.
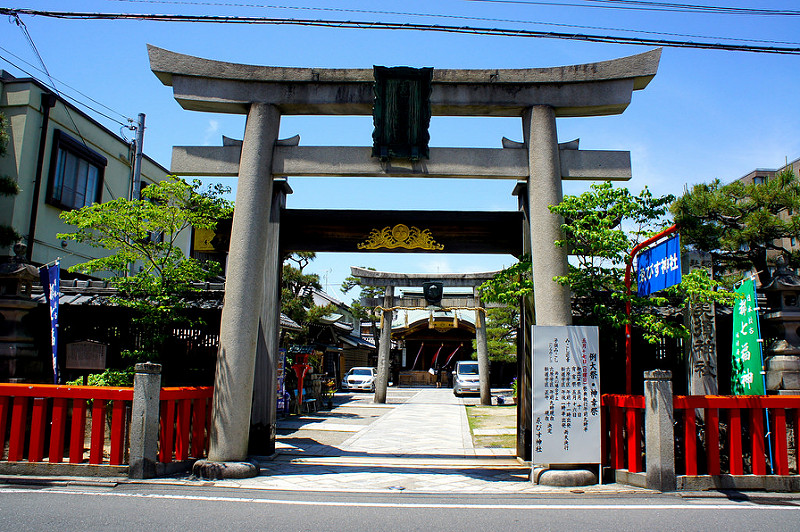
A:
783, 483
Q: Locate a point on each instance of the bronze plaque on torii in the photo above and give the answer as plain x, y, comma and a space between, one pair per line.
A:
401, 112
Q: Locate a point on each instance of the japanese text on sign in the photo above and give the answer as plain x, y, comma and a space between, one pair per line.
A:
566, 395
659, 267
746, 360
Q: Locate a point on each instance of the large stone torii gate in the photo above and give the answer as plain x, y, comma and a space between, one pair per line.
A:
538, 96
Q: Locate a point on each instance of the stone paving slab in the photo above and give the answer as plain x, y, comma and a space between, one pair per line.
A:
494, 432
319, 425
419, 441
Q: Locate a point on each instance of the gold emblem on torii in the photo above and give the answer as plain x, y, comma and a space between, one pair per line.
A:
400, 236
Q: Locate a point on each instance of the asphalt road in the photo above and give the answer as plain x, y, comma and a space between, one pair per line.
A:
130, 507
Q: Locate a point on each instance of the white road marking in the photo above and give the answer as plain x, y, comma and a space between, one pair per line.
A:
702, 506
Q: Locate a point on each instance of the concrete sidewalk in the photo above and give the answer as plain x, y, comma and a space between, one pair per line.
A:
419, 441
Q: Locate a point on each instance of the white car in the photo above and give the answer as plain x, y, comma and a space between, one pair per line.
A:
360, 379
466, 378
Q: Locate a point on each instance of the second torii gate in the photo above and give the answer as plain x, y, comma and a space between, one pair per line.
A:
538, 96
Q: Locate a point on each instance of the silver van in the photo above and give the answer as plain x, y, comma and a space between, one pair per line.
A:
466, 378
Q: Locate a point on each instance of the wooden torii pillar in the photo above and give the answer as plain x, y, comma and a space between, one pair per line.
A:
537, 95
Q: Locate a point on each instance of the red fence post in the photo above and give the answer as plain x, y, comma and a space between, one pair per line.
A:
16, 441
36, 449
77, 434
690, 440
57, 430
183, 427
781, 464
735, 439
634, 440
98, 432
757, 433
3, 418
712, 440
117, 432
199, 428
797, 438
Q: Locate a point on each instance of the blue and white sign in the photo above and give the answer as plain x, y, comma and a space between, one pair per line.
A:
659, 267
51, 285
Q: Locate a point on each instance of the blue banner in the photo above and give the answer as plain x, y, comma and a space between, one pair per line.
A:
659, 267
51, 284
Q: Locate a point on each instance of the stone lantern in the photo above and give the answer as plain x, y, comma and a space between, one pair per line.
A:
16, 306
783, 321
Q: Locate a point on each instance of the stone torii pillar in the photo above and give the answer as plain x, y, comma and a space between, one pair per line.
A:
244, 289
551, 300
482, 349
384, 347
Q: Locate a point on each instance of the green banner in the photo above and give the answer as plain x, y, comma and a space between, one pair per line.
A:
746, 377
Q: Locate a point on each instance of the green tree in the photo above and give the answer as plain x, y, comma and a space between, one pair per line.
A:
144, 233
502, 324
601, 226
364, 312
297, 294
8, 186
742, 226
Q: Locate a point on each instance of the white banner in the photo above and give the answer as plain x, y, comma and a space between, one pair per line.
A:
566, 395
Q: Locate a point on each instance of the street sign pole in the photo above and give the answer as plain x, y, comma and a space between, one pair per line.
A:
628, 324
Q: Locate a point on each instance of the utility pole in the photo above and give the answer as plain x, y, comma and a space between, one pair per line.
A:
136, 182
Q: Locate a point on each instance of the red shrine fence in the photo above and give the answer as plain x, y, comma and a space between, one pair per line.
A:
46, 423
718, 437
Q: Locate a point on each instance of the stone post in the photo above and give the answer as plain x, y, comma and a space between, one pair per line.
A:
659, 432
385, 347
482, 345
244, 289
551, 300
144, 420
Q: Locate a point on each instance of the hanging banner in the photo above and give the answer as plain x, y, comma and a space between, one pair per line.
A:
746, 356
51, 285
659, 267
566, 395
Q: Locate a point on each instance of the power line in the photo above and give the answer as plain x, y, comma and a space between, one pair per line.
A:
224, 19
20, 24
448, 16
61, 93
126, 118
640, 5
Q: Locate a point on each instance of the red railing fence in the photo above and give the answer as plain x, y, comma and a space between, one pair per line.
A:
714, 435
48, 423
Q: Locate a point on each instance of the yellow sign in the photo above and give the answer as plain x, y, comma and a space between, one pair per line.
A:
401, 236
202, 240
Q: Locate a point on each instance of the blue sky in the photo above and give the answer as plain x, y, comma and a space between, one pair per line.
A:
707, 114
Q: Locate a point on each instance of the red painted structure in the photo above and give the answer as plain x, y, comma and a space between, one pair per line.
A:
743, 445
628, 324
55, 418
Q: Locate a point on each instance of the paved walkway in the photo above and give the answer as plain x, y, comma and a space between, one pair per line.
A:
418, 442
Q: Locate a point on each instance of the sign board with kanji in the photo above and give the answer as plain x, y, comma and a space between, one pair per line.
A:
659, 267
746, 361
566, 395
86, 356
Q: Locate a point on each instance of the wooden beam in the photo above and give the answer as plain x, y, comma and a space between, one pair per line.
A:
455, 232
